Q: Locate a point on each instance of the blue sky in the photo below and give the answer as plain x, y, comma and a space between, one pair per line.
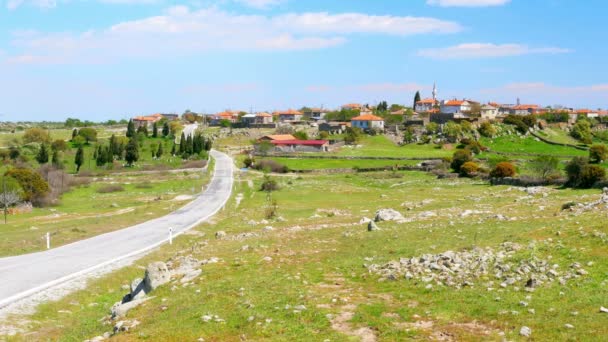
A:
101, 59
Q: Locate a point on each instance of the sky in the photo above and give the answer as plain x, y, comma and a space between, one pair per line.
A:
112, 59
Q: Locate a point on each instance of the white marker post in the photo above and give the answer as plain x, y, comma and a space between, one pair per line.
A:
170, 235
48, 240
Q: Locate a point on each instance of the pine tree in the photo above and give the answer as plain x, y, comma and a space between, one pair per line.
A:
155, 130
43, 155
109, 156
189, 145
79, 159
416, 99
165, 129
159, 152
100, 157
130, 129
132, 152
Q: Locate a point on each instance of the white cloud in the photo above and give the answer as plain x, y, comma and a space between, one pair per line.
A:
543, 88
467, 3
261, 4
484, 50
549, 94
182, 31
13, 4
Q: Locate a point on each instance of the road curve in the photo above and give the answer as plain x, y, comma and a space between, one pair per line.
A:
25, 275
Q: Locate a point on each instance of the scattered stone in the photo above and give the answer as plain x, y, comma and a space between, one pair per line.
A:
389, 215
220, 234
157, 274
525, 331
603, 309
569, 326
372, 226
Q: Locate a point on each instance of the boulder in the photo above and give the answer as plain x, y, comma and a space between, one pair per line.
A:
525, 331
120, 309
220, 234
137, 289
388, 215
157, 274
372, 226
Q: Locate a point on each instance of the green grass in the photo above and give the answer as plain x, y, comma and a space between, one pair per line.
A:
317, 256
528, 145
558, 136
381, 146
319, 164
84, 212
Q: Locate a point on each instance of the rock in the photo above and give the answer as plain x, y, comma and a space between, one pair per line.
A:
603, 309
120, 309
525, 331
569, 326
137, 289
157, 274
267, 259
188, 277
388, 215
372, 226
220, 234
268, 229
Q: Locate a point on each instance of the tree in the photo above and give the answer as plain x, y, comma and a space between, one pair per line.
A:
89, 134
459, 158
155, 130
59, 145
545, 166
100, 156
79, 159
432, 127
502, 170
598, 153
132, 152
36, 135
13, 153
353, 135
166, 130
11, 194
143, 130
517, 122
43, 155
78, 141
33, 185
574, 170
74, 133
486, 129
416, 99
590, 175
182, 143
56, 160
159, 151
173, 150
582, 131
130, 129
452, 131
301, 135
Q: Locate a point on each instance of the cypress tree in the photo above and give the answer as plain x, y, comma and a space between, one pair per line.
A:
56, 160
132, 152
189, 145
109, 156
43, 155
130, 129
165, 129
173, 150
74, 133
159, 152
416, 99
79, 159
182, 143
155, 130
100, 158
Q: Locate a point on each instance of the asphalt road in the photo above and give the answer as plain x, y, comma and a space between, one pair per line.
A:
24, 275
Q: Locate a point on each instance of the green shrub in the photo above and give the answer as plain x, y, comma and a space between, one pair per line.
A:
469, 169
269, 184
502, 170
459, 158
33, 185
590, 175
598, 153
486, 129
574, 170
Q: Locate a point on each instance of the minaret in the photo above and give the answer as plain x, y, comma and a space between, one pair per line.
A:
435, 91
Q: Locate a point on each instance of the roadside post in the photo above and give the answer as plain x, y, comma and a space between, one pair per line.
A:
48, 240
170, 235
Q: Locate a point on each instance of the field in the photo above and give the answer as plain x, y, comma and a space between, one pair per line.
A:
320, 164
89, 210
520, 146
306, 278
381, 146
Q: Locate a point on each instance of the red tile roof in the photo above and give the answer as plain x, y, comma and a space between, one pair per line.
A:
367, 117
525, 107
290, 112
426, 101
300, 142
454, 103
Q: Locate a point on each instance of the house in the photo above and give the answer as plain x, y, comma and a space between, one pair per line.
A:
426, 105
455, 106
489, 112
233, 117
367, 122
170, 117
263, 118
146, 121
588, 113
333, 127
277, 137
352, 106
290, 116
300, 145
317, 113
524, 109
248, 119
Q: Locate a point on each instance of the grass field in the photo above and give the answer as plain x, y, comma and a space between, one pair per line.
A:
85, 212
529, 145
381, 146
317, 256
558, 136
319, 164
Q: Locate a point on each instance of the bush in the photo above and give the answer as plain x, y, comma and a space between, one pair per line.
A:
517, 122
474, 147
545, 166
574, 170
59, 145
323, 135
248, 162
301, 135
110, 188
502, 170
36, 135
529, 120
582, 131
590, 175
569, 205
269, 165
35, 188
269, 184
459, 158
486, 129
469, 169
598, 153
